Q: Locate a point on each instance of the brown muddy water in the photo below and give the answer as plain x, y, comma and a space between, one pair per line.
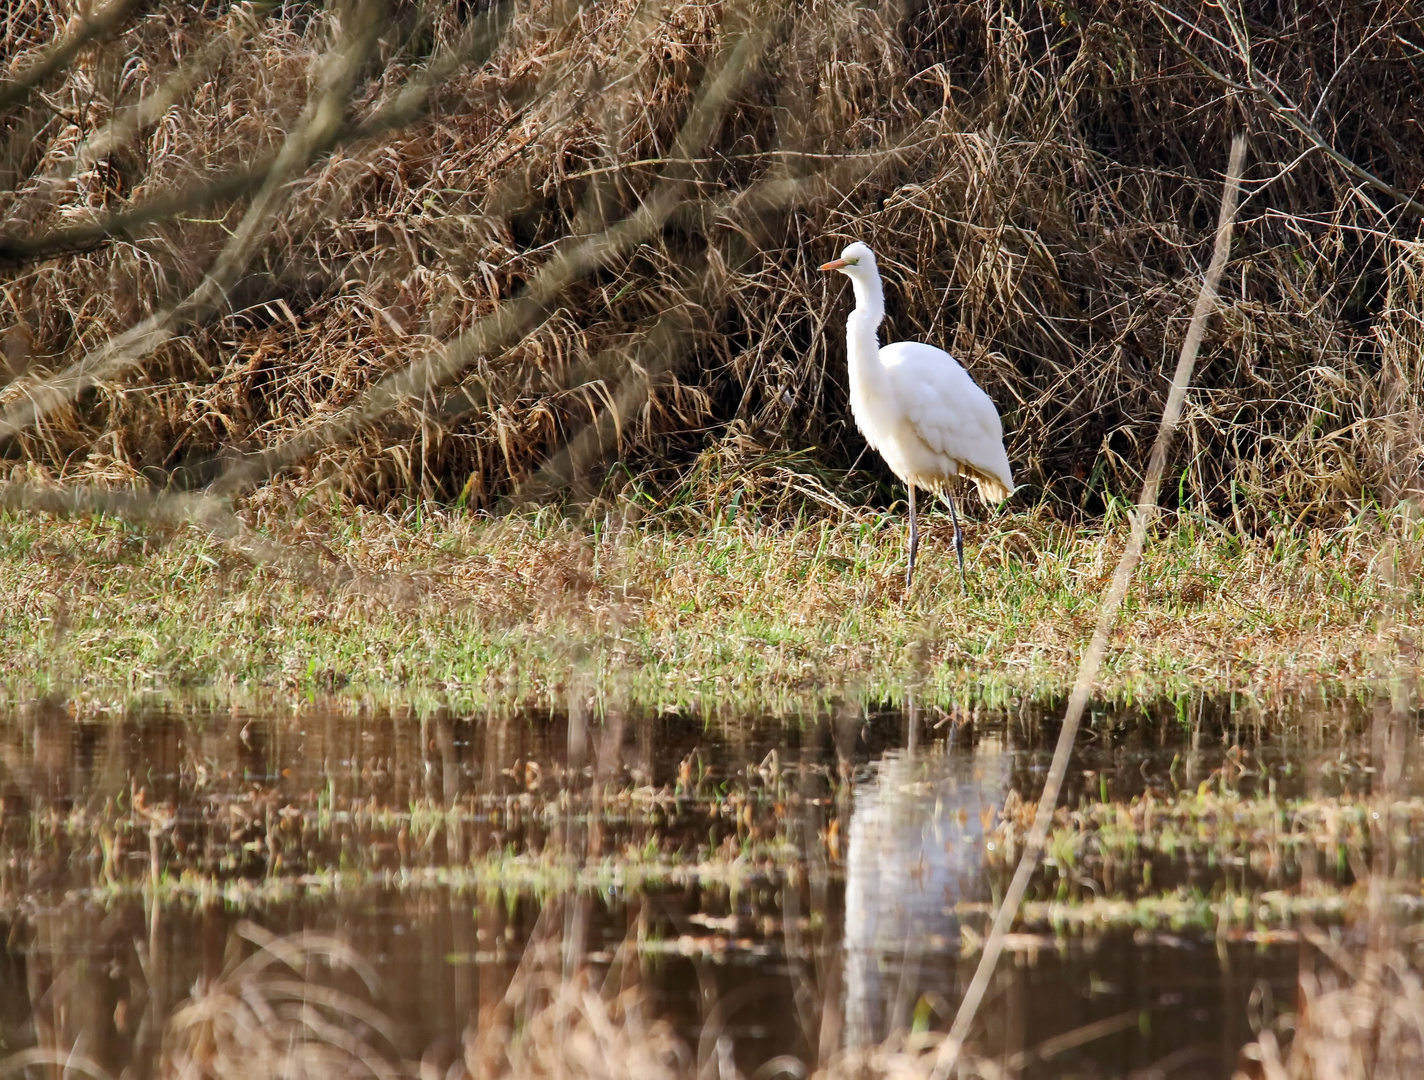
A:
777, 886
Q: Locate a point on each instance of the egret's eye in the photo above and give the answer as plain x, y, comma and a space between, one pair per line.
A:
853, 262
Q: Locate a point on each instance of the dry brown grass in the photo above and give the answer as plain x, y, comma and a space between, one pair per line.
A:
309, 1006
283, 1011
1038, 180
277, 1014
1350, 1025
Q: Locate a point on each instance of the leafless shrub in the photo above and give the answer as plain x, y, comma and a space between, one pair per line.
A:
1034, 184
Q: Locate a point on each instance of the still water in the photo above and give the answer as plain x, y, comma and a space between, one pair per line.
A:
777, 887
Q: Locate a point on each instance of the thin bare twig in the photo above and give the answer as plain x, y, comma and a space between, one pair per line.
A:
312, 136
1280, 106
246, 17
512, 320
475, 45
1143, 518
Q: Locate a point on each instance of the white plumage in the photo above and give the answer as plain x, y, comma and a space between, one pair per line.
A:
917, 407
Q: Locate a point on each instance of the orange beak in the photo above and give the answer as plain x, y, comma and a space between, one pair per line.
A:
835, 264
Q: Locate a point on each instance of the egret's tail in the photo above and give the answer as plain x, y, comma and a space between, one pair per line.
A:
991, 489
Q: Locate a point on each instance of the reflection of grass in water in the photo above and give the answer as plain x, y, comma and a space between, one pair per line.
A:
1209, 858
308, 1007
1231, 816
1357, 1016
272, 1015
731, 610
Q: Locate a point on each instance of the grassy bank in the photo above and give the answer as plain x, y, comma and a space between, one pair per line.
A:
513, 610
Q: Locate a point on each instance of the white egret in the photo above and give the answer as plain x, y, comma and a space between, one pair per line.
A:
915, 405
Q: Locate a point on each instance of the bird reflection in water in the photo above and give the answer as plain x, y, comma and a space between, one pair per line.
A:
916, 849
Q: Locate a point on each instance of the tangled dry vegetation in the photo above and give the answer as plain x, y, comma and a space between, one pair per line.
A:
309, 1005
1365, 1021
482, 253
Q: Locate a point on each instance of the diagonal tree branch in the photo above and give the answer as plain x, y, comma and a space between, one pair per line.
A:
314, 135
476, 45
246, 17
1277, 103
62, 52
660, 351
517, 317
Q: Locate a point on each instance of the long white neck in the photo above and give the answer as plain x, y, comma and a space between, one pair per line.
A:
862, 338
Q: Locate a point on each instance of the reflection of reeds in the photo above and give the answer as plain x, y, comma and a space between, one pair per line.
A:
556, 1024
306, 1007
1359, 1011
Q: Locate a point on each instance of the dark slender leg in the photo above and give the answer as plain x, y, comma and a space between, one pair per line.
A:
914, 538
958, 539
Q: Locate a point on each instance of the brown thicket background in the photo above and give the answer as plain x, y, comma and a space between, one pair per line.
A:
487, 252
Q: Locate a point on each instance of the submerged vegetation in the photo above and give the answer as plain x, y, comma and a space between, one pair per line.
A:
494, 877
1235, 842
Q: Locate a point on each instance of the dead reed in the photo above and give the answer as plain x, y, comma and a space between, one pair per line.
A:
1349, 1024
277, 1014
477, 253
309, 1006
285, 1008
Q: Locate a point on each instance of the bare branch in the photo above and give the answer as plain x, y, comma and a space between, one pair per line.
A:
312, 136
514, 319
475, 46
62, 52
1279, 105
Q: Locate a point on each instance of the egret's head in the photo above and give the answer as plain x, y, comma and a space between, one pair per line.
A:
856, 261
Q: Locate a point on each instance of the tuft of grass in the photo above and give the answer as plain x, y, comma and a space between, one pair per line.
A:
1357, 1016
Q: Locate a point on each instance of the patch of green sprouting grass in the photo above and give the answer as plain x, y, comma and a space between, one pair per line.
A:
737, 614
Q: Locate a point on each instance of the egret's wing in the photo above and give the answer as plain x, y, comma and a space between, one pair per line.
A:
946, 409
